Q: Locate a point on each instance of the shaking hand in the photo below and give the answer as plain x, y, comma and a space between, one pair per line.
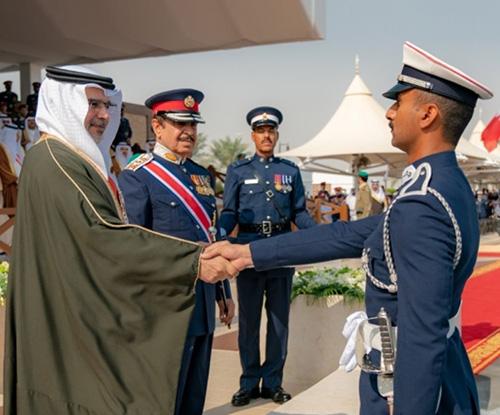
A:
216, 268
239, 255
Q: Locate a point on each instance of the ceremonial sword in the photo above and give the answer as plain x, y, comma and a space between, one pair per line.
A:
385, 379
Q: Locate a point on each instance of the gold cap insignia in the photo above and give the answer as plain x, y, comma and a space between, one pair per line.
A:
264, 116
189, 102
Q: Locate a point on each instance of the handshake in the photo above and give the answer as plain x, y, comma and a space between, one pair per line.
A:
222, 260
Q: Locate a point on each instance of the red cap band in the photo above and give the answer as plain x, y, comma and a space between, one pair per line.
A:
169, 106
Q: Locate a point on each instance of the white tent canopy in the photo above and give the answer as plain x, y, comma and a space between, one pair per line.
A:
475, 137
358, 133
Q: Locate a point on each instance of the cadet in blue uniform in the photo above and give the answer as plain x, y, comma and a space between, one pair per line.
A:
168, 192
263, 195
417, 256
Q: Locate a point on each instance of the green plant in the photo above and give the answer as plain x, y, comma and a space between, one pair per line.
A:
330, 281
4, 272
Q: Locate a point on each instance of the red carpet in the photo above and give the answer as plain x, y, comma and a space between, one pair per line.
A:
481, 316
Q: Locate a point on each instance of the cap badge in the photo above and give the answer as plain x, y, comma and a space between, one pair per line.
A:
264, 116
189, 102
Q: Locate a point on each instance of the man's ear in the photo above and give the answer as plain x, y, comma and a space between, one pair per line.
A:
253, 136
429, 114
155, 126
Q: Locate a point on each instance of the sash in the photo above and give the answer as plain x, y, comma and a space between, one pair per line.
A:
183, 194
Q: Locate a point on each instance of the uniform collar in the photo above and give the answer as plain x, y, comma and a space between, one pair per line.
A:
437, 160
264, 159
167, 154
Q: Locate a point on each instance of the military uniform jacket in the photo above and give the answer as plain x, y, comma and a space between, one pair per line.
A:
363, 201
150, 204
247, 197
432, 372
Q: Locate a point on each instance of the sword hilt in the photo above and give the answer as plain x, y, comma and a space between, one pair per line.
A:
386, 340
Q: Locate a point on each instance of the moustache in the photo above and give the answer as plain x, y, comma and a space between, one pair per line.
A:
99, 124
187, 138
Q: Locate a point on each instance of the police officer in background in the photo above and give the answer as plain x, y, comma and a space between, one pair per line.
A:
167, 192
32, 99
417, 256
9, 97
263, 195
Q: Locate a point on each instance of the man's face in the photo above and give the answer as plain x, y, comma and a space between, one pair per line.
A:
179, 137
402, 116
36, 88
31, 124
375, 186
97, 118
265, 138
8, 86
3, 107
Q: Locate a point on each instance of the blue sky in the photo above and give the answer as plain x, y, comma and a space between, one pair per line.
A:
307, 80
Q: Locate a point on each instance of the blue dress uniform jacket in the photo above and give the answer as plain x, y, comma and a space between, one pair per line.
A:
432, 371
152, 205
263, 196
246, 201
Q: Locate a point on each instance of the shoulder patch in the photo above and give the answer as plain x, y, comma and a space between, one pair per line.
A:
242, 162
419, 182
139, 162
200, 166
289, 162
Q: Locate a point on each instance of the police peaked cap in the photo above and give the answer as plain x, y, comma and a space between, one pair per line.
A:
264, 116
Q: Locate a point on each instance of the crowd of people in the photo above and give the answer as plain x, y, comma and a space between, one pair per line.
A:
370, 199
487, 204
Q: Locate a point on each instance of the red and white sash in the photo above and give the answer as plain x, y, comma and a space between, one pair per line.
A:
183, 193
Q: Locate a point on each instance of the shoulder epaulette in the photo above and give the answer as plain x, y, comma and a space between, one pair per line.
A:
199, 165
242, 161
139, 162
286, 161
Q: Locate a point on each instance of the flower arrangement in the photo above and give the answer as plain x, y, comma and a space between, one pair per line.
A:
4, 272
326, 282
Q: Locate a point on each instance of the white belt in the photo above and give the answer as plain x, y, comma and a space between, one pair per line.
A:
371, 333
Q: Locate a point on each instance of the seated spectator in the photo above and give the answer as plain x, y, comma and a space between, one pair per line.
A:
323, 193
338, 199
20, 115
123, 153
31, 133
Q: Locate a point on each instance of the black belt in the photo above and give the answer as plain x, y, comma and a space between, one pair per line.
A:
266, 227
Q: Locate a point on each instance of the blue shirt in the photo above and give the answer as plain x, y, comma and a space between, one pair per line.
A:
254, 185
